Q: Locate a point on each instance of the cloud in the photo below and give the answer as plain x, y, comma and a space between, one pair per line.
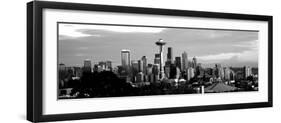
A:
247, 44
121, 29
82, 30
218, 57
245, 56
69, 31
251, 55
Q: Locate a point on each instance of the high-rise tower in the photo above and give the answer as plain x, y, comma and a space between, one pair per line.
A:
184, 61
194, 62
87, 65
170, 56
161, 44
144, 61
125, 59
178, 62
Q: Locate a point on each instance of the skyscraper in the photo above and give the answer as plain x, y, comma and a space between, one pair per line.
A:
174, 72
170, 56
135, 69
157, 59
167, 70
125, 59
149, 69
87, 65
219, 72
140, 63
135, 65
62, 74
139, 77
144, 61
194, 62
190, 73
226, 73
184, 61
150, 75
232, 75
178, 62
156, 72
248, 71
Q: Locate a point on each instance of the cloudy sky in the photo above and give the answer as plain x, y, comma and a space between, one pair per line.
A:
105, 42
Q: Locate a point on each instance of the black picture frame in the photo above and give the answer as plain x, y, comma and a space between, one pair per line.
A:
34, 60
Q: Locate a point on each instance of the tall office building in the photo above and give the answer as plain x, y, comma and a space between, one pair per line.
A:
156, 72
140, 63
149, 73
62, 74
149, 69
87, 65
227, 72
248, 71
140, 77
135, 65
178, 62
219, 72
194, 62
222, 74
190, 73
174, 72
232, 75
167, 69
157, 59
184, 61
144, 61
135, 69
125, 59
169, 56
199, 71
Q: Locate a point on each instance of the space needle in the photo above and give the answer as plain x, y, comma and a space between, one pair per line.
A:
161, 44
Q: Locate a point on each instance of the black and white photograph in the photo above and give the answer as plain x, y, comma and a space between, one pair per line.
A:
90, 60
109, 60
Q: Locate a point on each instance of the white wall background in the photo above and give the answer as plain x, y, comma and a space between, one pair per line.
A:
13, 61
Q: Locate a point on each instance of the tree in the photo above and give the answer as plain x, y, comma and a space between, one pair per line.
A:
250, 78
103, 84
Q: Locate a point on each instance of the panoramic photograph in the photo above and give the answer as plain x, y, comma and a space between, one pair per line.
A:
110, 60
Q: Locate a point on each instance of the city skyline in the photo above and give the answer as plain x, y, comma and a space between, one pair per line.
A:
137, 61
104, 42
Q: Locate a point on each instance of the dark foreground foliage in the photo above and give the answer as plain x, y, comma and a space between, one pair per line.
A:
108, 84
